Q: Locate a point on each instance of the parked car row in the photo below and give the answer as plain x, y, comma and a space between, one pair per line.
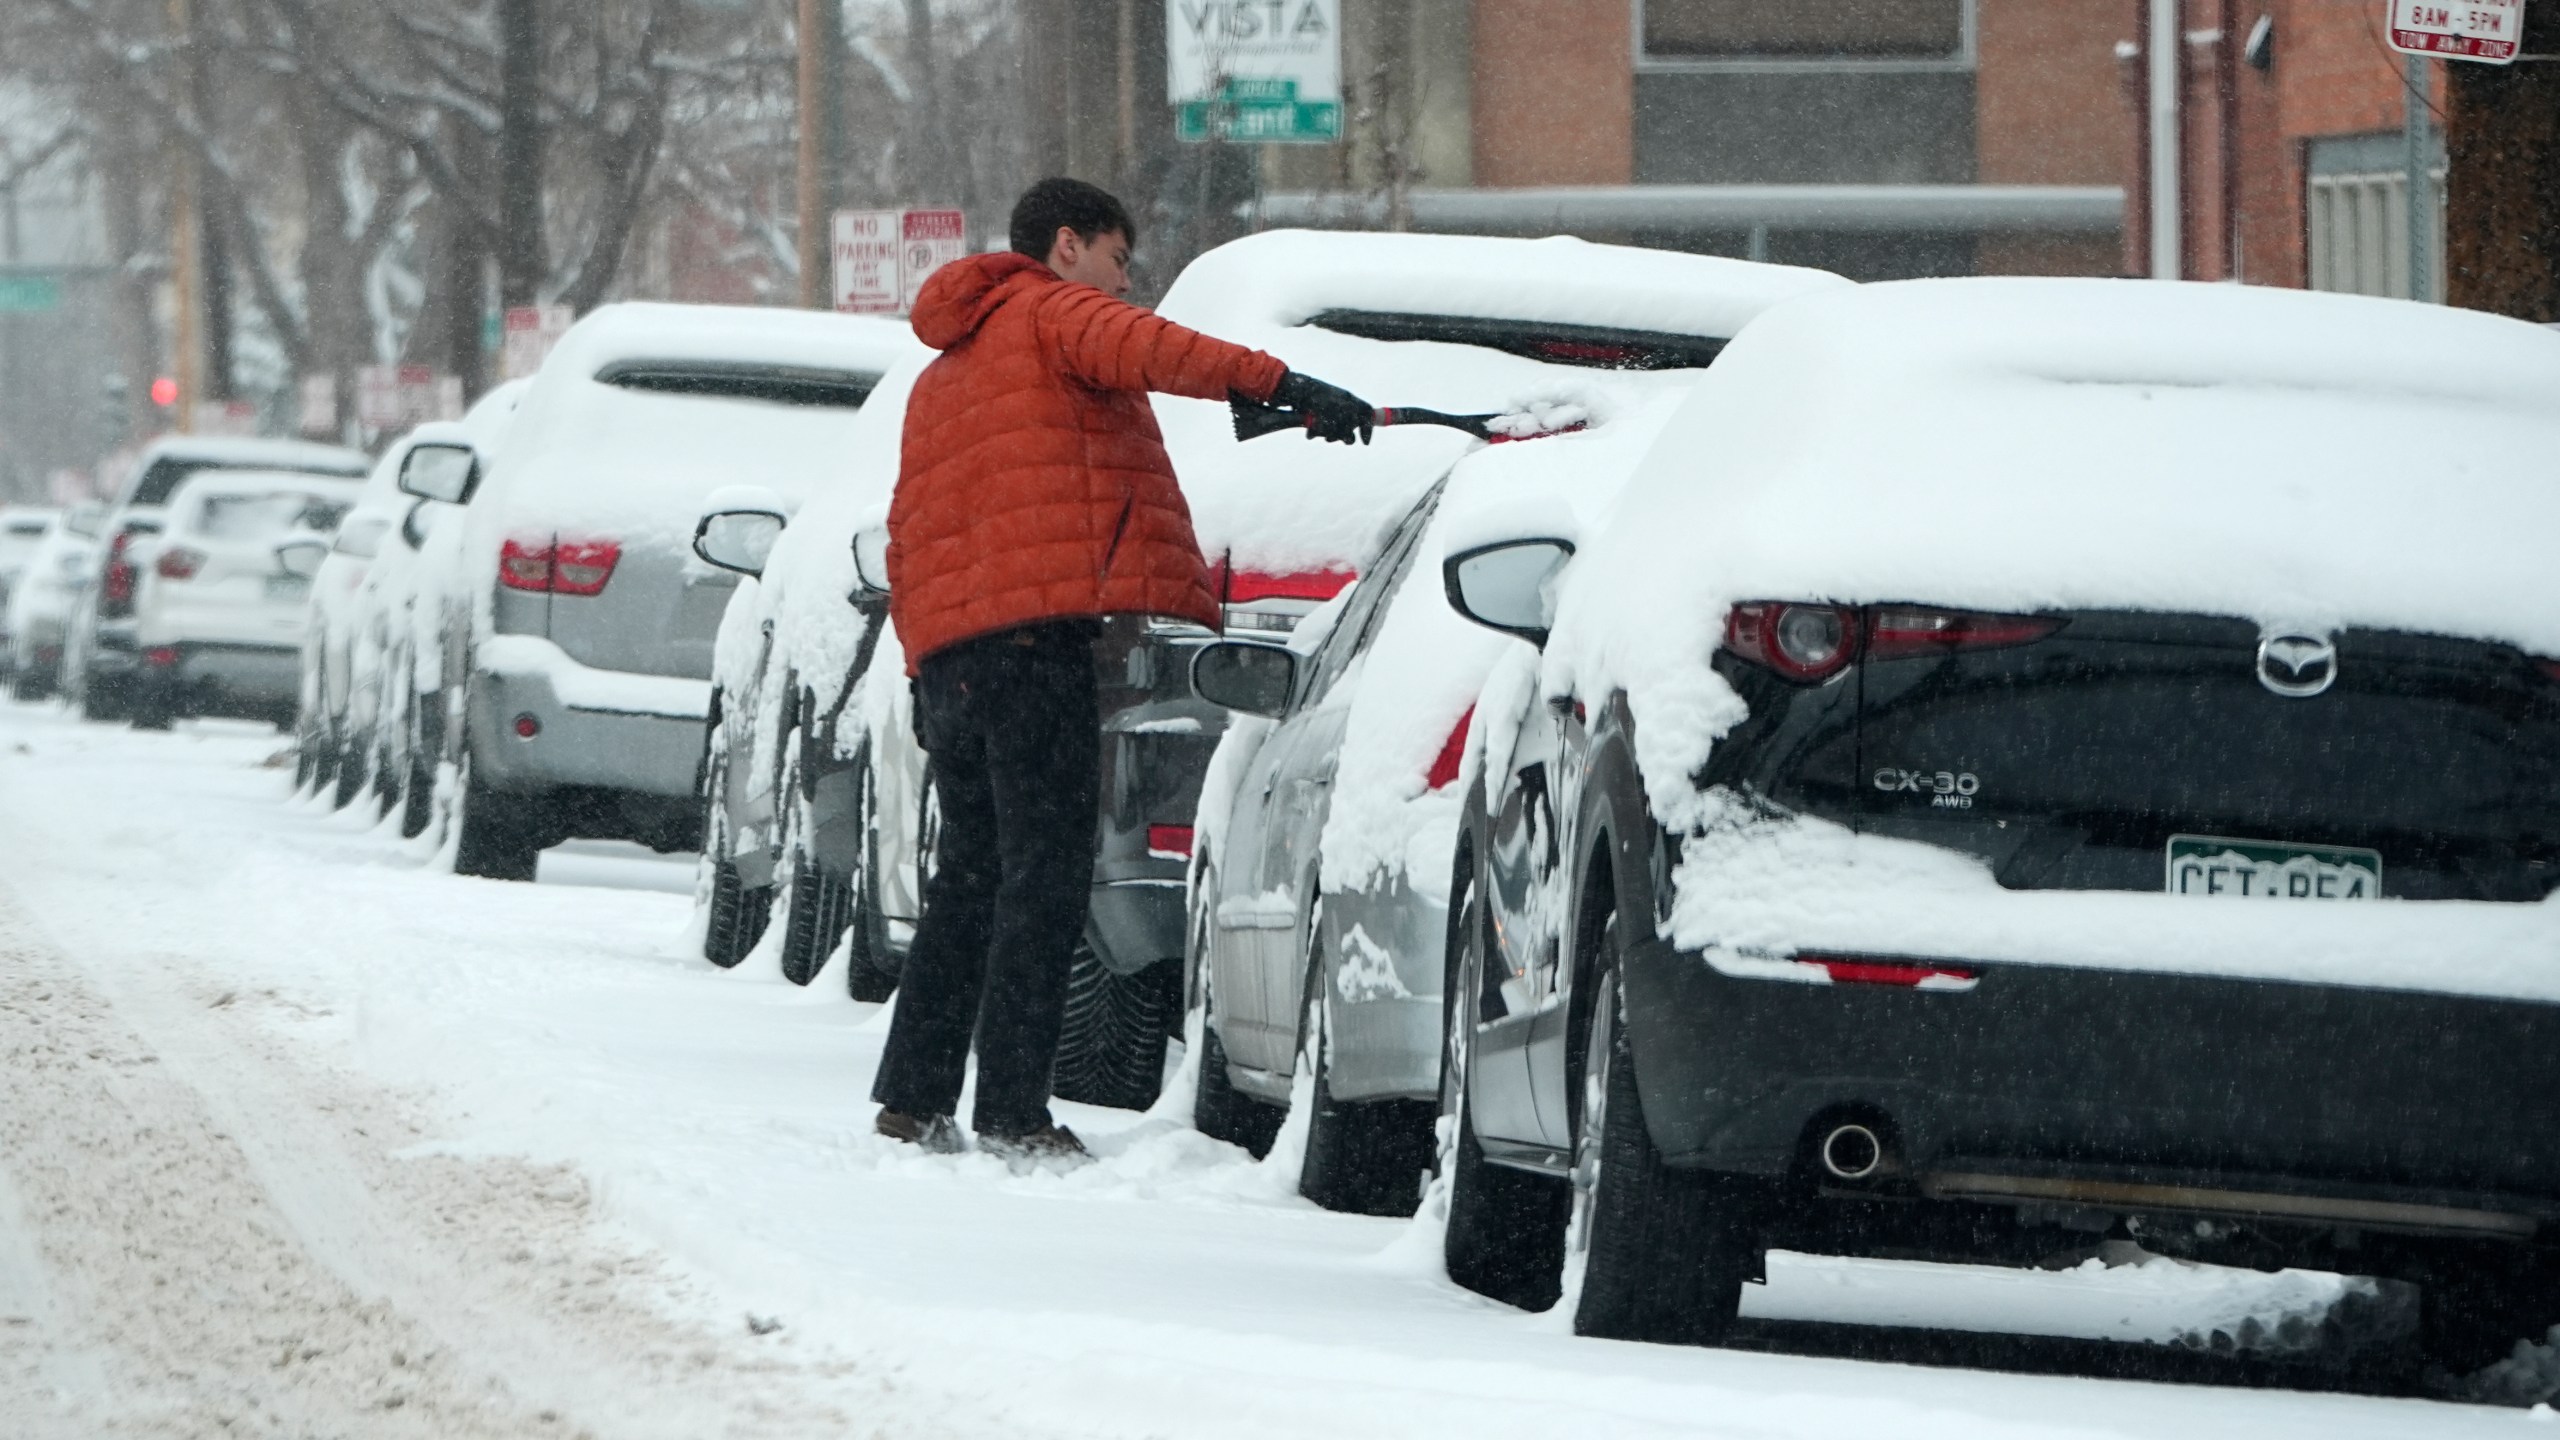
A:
1794, 787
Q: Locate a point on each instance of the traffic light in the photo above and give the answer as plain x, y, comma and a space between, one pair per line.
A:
164, 392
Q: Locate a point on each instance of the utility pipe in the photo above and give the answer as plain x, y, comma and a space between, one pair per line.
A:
2166, 49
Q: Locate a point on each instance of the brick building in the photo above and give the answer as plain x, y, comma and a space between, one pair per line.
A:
1876, 137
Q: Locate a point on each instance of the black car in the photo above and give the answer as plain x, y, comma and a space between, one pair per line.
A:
1987, 934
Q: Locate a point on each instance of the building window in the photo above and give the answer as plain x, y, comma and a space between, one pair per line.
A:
2356, 212
1841, 33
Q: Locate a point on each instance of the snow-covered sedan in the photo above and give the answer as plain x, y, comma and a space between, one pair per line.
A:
46, 593
335, 747
1319, 889
583, 620
2029, 762
22, 529
223, 597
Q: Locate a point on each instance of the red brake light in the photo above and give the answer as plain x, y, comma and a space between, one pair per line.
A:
1169, 842
1453, 754
1241, 586
117, 587
582, 567
1909, 974
179, 563
1894, 631
160, 657
525, 565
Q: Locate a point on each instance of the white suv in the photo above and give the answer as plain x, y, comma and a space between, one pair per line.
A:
223, 594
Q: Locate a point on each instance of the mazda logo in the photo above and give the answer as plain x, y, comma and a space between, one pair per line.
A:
2297, 666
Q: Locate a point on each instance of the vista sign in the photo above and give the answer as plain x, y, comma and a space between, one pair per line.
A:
1255, 70
2491, 31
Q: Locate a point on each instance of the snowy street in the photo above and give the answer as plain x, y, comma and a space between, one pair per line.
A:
304, 1138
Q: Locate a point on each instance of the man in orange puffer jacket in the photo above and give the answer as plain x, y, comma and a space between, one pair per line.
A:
1034, 497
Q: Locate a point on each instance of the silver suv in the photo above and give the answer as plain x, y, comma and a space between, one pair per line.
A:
576, 608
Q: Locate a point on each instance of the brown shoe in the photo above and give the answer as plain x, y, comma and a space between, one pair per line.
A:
1049, 1144
933, 1134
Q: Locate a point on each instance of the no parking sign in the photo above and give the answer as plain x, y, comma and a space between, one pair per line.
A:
2491, 31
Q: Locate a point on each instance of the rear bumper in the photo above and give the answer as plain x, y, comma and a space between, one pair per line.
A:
576, 746
260, 677
2050, 1085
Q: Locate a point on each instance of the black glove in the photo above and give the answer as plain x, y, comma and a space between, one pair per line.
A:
1332, 413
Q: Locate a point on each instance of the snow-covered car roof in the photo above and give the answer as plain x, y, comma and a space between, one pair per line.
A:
608, 436
2294, 458
206, 485
1280, 503
238, 451
2304, 460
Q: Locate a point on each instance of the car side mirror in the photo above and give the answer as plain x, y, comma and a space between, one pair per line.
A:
1241, 676
871, 562
1509, 586
433, 470
740, 540
302, 557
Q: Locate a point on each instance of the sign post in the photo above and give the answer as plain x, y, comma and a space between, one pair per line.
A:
1255, 70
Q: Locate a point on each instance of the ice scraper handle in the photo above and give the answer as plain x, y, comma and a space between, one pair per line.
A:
1256, 418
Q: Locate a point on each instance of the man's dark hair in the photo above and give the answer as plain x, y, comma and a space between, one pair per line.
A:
1088, 210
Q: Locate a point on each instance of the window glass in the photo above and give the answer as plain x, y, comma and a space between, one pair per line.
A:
1351, 635
253, 517
1804, 29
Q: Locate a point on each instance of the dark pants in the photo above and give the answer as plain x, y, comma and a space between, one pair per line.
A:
1014, 729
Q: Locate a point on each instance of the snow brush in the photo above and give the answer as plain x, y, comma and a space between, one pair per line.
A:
1256, 418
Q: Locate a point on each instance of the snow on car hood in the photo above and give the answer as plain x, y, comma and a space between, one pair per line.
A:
1282, 503
2302, 460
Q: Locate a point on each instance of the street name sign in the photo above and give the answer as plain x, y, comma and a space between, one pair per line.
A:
2491, 31
1255, 70
28, 294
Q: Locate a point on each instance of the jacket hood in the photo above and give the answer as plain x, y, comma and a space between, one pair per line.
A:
961, 295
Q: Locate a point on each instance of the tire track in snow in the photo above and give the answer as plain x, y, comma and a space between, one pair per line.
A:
220, 1242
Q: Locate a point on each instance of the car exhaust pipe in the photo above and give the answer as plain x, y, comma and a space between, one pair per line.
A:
1853, 1152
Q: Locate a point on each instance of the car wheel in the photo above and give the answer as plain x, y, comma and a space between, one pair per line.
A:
2472, 1309
1363, 1157
102, 699
501, 835
149, 711
1218, 1109
1111, 1047
817, 905
418, 768
351, 775
736, 915
872, 976
1505, 1235
1663, 1253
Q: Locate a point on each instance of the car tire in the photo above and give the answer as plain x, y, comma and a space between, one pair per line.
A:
2472, 1310
819, 913
1665, 1252
103, 700
500, 835
872, 975
1363, 1157
351, 776
736, 916
418, 779
1218, 1109
1112, 1044
152, 712
1506, 1227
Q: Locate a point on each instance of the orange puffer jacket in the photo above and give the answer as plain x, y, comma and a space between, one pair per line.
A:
1032, 482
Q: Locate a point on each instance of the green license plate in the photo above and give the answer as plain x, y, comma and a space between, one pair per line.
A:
2271, 870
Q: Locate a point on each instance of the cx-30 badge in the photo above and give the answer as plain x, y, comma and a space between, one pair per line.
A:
2297, 666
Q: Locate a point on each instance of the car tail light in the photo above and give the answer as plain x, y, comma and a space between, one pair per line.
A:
1453, 755
1801, 642
117, 588
582, 567
160, 657
525, 565
1239, 587
1908, 974
179, 563
1896, 631
1814, 642
1169, 842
